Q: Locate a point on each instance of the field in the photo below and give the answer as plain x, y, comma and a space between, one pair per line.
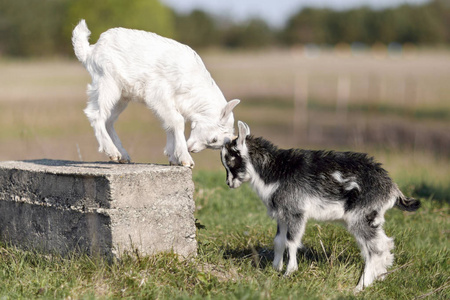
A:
234, 259
396, 108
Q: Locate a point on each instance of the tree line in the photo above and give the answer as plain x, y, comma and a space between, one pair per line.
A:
43, 27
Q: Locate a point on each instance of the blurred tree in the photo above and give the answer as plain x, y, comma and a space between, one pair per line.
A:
380, 27
307, 26
44, 27
419, 24
253, 34
440, 11
29, 27
429, 25
149, 15
197, 29
357, 29
412, 24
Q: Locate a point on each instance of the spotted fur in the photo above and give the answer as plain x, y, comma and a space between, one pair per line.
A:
297, 185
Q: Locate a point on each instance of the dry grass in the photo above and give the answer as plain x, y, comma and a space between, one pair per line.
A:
41, 104
373, 77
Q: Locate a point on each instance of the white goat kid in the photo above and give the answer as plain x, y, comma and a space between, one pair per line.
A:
296, 185
169, 77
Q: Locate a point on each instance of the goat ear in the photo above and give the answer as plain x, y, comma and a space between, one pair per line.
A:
244, 131
226, 111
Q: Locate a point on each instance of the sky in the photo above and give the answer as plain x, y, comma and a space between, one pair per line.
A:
274, 12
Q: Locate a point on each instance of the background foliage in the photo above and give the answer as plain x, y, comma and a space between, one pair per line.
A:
425, 24
37, 27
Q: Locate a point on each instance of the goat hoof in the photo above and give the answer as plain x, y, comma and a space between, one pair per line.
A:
186, 164
183, 163
119, 160
289, 272
114, 158
278, 267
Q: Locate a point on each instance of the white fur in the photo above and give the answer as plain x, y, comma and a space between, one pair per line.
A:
169, 77
376, 264
321, 210
264, 191
351, 183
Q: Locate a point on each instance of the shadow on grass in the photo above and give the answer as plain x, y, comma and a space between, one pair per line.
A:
261, 257
439, 194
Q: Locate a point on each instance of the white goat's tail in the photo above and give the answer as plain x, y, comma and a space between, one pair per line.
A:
80, 41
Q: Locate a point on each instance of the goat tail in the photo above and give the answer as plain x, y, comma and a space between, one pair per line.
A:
80, 41
406, 203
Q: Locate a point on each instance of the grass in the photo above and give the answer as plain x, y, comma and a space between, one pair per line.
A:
41, 105
234, 258
441, 112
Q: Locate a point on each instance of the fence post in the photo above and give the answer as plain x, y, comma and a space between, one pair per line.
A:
300, 121
343, 96
410, 91
374, 89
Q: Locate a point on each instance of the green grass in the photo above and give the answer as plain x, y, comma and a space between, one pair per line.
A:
42, 117
235, 254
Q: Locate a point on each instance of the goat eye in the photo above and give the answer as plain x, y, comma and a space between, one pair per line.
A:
214, 140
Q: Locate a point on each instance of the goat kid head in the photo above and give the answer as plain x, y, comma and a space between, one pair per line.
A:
213, 135
235, 158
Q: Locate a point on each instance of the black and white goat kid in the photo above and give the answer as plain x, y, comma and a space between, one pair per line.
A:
296, 185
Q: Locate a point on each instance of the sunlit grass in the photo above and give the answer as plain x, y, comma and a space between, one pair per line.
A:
234, 259
41, 115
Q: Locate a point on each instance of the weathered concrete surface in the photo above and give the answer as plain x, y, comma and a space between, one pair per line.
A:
101, 208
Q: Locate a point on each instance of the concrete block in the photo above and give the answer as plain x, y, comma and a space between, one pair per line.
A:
98, 208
